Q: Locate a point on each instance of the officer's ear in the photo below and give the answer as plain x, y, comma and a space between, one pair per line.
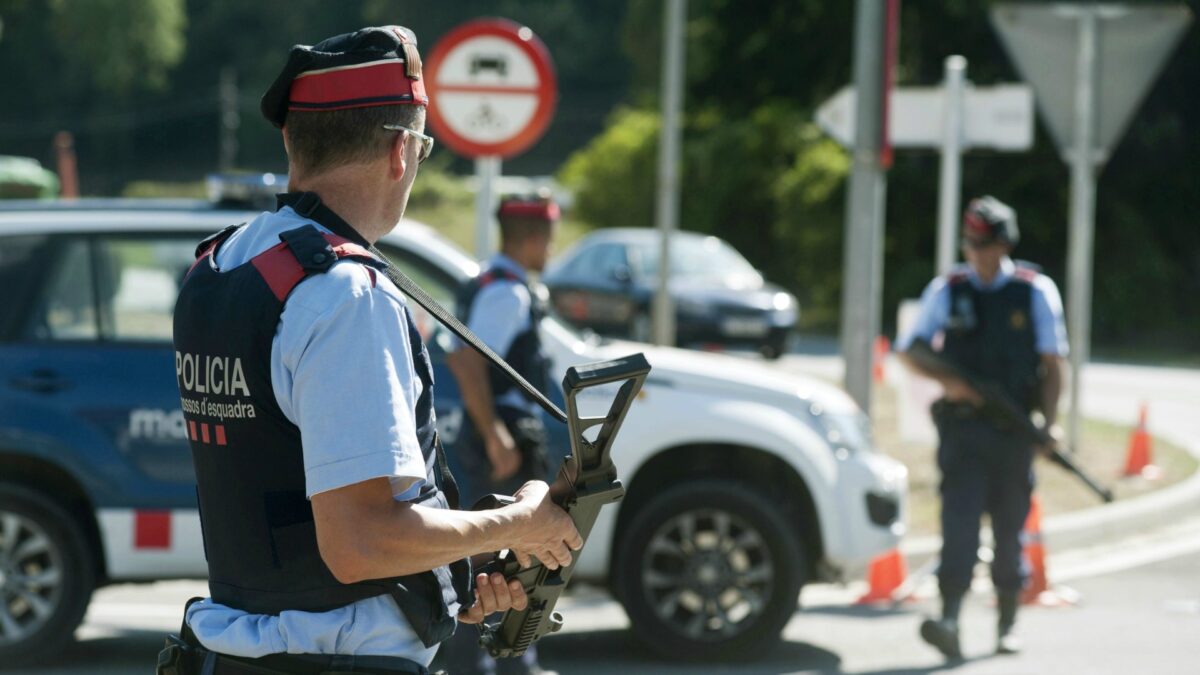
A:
397, 163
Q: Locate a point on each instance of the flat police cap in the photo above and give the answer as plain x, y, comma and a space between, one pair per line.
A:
991, 219
369, 67
537, 207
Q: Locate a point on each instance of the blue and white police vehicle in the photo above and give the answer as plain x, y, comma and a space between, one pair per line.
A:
744, 482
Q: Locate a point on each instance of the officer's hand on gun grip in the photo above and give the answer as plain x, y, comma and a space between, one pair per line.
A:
494, 594
548, 533
1056, 432
959, 391
502, 453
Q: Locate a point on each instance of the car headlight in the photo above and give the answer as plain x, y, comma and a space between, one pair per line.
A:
843, 431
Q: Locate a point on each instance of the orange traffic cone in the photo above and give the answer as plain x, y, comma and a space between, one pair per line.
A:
1035, 552
885, 575
880, 352
1137, 462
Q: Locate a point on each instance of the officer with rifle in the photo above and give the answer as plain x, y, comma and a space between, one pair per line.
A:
329, 517
1000, 325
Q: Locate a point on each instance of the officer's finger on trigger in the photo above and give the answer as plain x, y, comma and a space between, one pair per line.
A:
519, 599
500, 588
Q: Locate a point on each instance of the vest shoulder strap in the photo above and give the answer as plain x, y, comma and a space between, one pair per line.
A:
1026, 271
498, 274
305, 251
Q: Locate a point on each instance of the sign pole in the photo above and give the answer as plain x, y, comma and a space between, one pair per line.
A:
864, 212
1083, 211
667, 215
950, 175
487, 171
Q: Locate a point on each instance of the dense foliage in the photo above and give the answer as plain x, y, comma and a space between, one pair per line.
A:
136, 81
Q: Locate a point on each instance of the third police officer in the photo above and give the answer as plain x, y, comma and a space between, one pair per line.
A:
1001, 322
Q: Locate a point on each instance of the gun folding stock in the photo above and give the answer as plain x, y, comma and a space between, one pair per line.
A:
586, 482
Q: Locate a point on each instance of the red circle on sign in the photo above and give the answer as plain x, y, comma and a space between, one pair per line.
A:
546, 92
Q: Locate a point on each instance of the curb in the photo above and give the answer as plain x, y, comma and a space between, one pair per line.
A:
1080, 529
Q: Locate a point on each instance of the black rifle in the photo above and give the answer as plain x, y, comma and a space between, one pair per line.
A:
586, 482
999, 406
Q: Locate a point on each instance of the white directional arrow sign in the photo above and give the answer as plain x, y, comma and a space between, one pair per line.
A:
999, 117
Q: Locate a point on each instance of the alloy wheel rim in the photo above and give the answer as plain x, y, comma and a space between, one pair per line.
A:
31, 578
707, 573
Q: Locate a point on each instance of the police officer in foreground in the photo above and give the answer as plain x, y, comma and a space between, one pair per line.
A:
1000, 321
328, 513
503, 443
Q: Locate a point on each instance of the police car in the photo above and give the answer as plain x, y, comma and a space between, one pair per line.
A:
743, 483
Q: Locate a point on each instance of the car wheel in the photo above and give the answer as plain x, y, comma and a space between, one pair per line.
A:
46, 577
709, 569
774, 347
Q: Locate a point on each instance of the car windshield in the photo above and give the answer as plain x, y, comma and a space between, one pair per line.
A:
695, 258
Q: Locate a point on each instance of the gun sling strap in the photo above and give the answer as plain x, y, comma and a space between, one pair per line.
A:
309, 205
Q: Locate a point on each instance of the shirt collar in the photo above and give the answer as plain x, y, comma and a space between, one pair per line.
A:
507, 263
1007, 269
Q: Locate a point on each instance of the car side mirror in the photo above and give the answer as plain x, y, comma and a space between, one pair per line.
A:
622, 274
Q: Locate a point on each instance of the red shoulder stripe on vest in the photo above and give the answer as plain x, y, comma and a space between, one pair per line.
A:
280, 269
1027, 274
282, 272
956, 277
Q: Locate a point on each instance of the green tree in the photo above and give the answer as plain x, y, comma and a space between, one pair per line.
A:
120, 44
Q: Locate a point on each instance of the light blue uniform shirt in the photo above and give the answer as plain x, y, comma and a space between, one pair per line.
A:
498, 314
1050, 333
342, 371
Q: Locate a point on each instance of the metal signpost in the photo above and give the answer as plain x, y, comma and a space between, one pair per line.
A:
492, 94
862, 268
667, 214
1091, 65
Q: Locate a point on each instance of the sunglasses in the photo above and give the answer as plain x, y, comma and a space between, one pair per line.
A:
426, 141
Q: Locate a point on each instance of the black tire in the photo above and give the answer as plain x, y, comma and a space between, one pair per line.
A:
43, 555
774, 347
747, 592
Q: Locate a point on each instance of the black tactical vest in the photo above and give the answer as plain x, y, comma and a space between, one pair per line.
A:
525, 354
259, 536
990, 333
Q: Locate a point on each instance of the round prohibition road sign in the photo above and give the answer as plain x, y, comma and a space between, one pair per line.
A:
492, 89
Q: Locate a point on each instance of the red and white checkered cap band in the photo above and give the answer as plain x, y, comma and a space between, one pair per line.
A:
356, 86
543, 210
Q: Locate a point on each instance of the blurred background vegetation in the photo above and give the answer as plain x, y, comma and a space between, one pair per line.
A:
136, 81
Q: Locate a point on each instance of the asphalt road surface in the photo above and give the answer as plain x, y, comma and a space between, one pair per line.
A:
1138, 611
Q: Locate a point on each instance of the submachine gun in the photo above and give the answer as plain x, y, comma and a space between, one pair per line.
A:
586, 482
999, 406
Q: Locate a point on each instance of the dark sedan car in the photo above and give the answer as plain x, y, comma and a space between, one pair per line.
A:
607, 280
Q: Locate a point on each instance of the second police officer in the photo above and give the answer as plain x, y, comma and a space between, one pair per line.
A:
1000, 321
503, 442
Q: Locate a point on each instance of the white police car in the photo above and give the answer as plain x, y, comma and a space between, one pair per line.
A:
743, 482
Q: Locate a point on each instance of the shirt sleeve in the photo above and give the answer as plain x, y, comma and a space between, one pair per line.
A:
932, 316
498, 313
343, 371
1050, 331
